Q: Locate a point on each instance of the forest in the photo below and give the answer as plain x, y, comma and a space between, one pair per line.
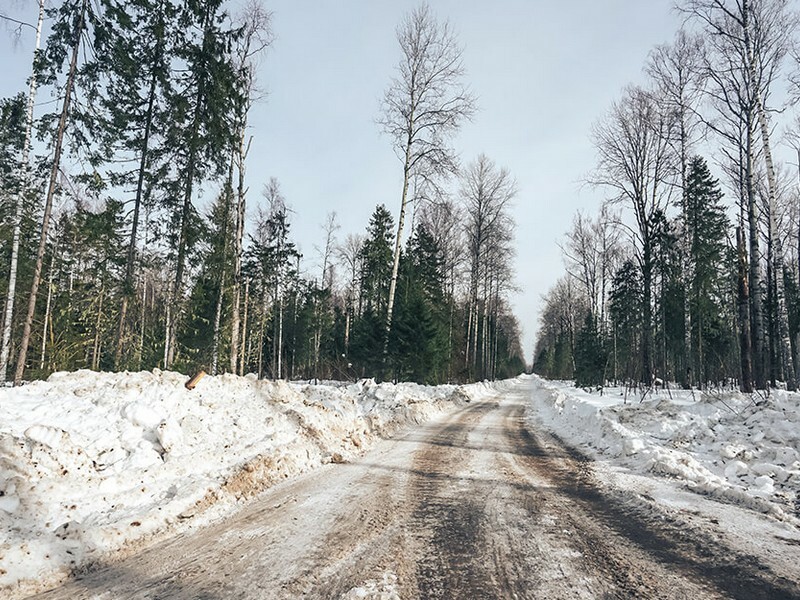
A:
130, 238
682, 275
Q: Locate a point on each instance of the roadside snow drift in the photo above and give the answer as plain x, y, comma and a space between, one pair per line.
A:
736, 447
93, 462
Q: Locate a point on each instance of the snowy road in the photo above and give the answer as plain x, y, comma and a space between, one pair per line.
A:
471, 506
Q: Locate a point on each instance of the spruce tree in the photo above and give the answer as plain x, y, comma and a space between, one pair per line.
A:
590, 359
708, 227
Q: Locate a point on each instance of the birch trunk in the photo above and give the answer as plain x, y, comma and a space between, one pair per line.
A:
245, 340
777, 254
397, 241
746, 355
97, 322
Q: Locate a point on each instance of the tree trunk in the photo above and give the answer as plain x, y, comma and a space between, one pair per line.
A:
221, 295
397, 241
745, 343
48, 204
777, 253
97, 323
756, 301
237, 248
47, 307
142, 314
5, 347
647, 332
217, 321
242, 355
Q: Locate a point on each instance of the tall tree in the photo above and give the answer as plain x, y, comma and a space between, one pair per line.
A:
635, 162
21, 192
708, 226
201, 127
676, 71
256, 36
486, 193
424, 106
67, 36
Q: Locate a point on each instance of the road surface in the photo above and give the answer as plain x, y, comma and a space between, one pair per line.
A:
472, 506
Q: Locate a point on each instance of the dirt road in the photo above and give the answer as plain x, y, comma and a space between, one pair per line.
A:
473, 506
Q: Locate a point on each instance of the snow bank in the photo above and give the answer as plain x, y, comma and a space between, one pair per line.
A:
94, 462
738, 448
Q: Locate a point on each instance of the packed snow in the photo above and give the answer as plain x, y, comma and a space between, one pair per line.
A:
738, 448
96, 463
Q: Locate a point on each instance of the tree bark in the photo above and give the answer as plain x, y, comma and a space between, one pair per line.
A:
397, 242
746, 360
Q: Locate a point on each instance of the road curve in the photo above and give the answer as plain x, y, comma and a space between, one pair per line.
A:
472, 506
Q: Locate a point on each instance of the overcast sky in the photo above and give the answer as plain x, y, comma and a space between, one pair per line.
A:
543, 72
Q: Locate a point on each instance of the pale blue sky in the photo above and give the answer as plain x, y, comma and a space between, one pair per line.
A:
543, 72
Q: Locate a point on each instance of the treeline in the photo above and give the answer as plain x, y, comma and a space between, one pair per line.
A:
128, 243
676, 279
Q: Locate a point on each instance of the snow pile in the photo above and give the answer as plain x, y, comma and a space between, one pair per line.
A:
93, 462
374, 589
740, 448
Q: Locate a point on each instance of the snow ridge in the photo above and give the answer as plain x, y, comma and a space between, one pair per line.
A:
97, 463
739, 448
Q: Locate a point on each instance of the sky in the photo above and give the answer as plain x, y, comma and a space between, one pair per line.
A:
543, 73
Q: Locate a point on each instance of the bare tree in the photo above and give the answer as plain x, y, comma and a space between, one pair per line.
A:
591, 253
636, 163
486, 193
348, 254
748, 40
256, 37
676, 71
424, 106
443, 220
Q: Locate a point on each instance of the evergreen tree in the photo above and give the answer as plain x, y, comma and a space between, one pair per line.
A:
626, 308
201, 126
590, 359
418, 339
708, 227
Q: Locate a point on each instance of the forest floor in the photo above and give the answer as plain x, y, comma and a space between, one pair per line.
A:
479, 503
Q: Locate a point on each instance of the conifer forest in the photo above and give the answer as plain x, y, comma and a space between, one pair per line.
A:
131, 238
688, 272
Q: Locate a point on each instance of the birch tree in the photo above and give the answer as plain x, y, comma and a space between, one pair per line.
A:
751, 37
486, 192
70, 29
5, 346
677, 75
426, 103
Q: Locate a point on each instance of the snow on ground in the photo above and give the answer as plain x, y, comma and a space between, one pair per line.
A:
92, 463
740, 448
